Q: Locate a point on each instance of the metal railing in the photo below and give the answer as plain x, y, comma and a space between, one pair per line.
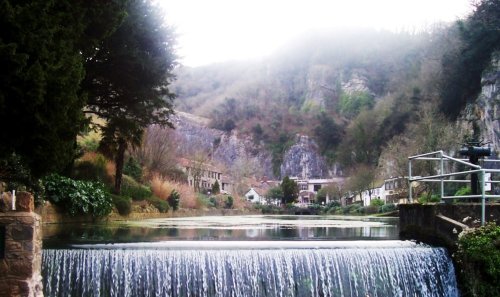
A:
440, 178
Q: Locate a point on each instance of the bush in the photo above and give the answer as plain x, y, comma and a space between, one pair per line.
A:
90, 171
229, 202
372, 209
122, 204
429, 199
377, 202
463, 191
78, 197
134, 190
174, 199
478, 259
160, 204
133, 168
388, 207
212, 202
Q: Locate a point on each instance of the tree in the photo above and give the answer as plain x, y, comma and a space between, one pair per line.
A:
127, 79
290, 190
362, 179
274, 193
463, 66
43, 44
332, 191
215, 188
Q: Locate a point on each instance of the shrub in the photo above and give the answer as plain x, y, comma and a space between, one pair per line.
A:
478, 259
429, 199
78, 197
134, 190
229, 202
372, 209
463, 191
174, 199
133, 168
160, 204
122, 204
388, 207
377, 202
212, 202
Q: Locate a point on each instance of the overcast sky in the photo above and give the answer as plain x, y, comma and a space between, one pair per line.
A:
211, 31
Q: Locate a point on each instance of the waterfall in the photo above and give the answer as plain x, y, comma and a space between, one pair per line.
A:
399, 271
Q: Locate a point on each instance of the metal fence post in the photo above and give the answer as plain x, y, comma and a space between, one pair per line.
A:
442, 178
410, 191
483, 198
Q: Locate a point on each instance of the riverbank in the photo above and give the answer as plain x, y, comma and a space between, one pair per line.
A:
52, 214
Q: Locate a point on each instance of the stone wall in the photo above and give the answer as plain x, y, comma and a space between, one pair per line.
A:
21, 257
441, 224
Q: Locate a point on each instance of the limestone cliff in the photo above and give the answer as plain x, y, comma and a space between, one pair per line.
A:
485, 111
241, 155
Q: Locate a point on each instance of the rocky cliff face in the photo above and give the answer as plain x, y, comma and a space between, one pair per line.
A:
485, 111
304, 161
237, 153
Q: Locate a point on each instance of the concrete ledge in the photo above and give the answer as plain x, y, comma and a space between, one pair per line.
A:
440, 224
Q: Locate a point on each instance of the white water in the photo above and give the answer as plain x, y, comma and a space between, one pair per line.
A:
391, 268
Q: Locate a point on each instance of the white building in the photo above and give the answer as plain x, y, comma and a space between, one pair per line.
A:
379, 193
255, 197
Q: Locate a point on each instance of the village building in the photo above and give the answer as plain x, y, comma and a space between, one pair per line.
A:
202, 176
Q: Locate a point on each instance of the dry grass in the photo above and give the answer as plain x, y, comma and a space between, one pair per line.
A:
162, 188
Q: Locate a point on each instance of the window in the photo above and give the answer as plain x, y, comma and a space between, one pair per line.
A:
250, 197
317, 188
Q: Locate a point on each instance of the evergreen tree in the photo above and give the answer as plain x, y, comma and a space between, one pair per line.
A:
127, 80
43, 44
215, 188
290, 190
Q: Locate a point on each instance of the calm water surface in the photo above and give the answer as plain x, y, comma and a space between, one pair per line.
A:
235, 228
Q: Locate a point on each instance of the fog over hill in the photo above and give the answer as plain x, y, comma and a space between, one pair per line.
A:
353, 95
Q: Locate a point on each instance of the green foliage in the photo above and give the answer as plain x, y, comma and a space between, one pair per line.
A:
133, 168
388, 207
174, 199
463, 191
463, 67
215, 188
17, 176
134, 68
328, 134
134, 190
352, 104
290, 190
212, 202
92, 170
278, 149
160, 204
429, 198
478, 258
275, 193
43, 45
78, 197
377, 202
368, 210
229, 202
122, 204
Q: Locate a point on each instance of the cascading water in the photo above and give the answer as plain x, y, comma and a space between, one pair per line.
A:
404, 270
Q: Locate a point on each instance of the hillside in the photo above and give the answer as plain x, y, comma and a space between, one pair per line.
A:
358, 95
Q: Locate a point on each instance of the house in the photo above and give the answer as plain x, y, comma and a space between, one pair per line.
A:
305, 198
202, 175
396, 190
374, 193
314, 185
255, 197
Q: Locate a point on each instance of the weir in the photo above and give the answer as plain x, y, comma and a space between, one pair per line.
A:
391, 268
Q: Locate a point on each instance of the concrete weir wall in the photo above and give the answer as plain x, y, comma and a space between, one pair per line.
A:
442, 223
20, 247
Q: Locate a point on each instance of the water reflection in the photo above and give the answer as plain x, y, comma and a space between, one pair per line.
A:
224, 228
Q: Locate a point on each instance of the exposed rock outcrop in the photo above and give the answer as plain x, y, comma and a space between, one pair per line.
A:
485, 111
303, 160
241, 153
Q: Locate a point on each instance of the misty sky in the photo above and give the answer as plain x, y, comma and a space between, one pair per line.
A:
213, 31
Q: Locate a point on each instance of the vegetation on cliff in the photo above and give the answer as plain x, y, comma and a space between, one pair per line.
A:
478, 261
